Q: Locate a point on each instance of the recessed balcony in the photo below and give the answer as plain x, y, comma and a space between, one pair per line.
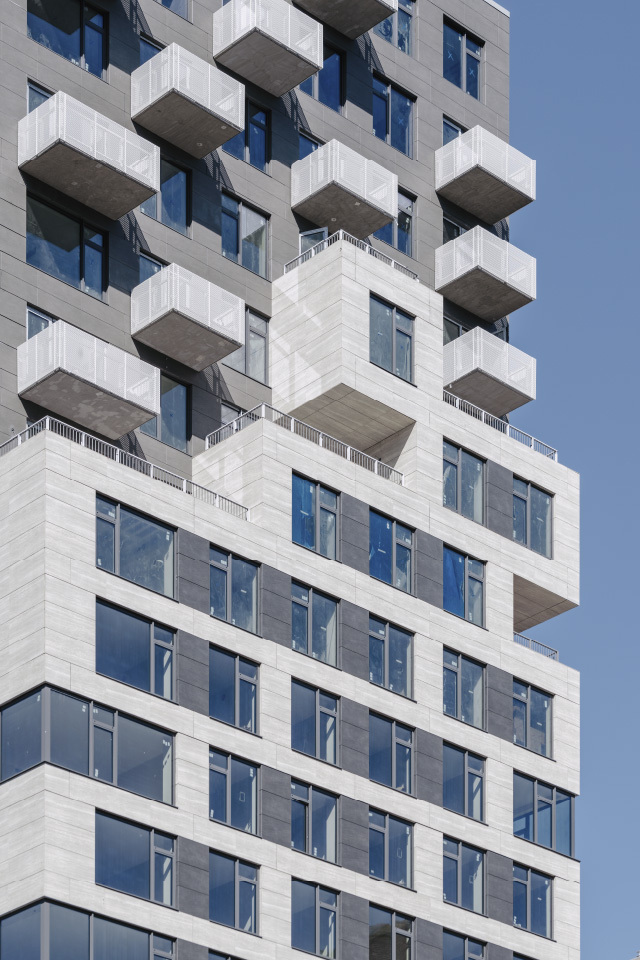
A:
268, 42
484, 274
488, 372
338, 188
186, 317
88, 381
353, 18
187, 101
484, 175
88, 157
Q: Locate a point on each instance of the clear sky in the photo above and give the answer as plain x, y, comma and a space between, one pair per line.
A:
574, 108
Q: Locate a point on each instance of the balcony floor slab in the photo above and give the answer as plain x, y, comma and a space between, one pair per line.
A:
484, 195
350, 19
339, 209
262, 60
488, 392
186, 341
484, 295
534, 604
186, 124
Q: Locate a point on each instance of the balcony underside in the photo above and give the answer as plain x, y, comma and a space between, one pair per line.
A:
262, 60
533, 604
338, 209
97, 185
186, 124
484, 295
352, 19
484, 195
487, 392
186, 341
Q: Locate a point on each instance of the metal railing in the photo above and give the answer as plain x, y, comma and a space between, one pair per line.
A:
477, 248
536, 646
501, 425
266, 412
101, 447
479, 148
360, 244
276, 18
334, 162
480, 350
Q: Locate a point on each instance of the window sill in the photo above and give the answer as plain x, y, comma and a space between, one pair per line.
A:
396, 884
461, 618
102, 79
409, 156
314, 857
524, 747
396, 789
238, 264
243, 373
389, 584
232, 827
242, 160
135, 583
223, 620
466, 723
527, 547
481, 914
545, 937
381, 687
133, 687
312, 550
410, 383
138, 897
100, 300
454, 510
543, 847
232, 927
336, 767
182, 233
467, 817
316, 660
234, 727
397, 249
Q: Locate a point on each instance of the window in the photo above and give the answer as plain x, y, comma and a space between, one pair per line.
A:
173, 428
148, 48
390, 848
314, 918
463, 482
21, 725
451, 330
390, 656
134, 859
76, 31
306, 145
50, 930
390, 753
390, 338
37, 321
252, 143
308, 239
314, 722
531, 718
392, 116
134, 547
171, 205
233, 791
233, 892
532, 900
450, 131
233, 690
456, 946
463, 875
532, 517
229, 413
463, 688
314, 623
36, 95
463, 782
314, 817
396, 29
233, 589
390, 935
66, 248
451, 230
181, 7
463, 592
462, 54
399, 233
134, 650
244, 235
314, 516
148, 266
251, 358
542, 814
326, 85
390, 550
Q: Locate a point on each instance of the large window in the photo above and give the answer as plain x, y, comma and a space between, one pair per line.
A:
172, 427
390, 338
233, 791
531, 718
390, 848
314, 623
252, 143
251, 358
399, 233
532, 517
390, 935
314, 817
326, 84
171, 205
134, 547
542, 814
234, 589
390, 753
463, 688
75, 30
462, 55
134, 650
392, 116
457, 946
66, 248
244, 235
463, 875
463, 590
396, 29
314, 918
463, 782
134, 859
390, 656
390, 551
463, 482
314, 516
314, 722
532, 900
233, 892
233, 689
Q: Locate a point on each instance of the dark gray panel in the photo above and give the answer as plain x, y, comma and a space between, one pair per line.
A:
354, 639
276, 605
354, 533
354, 726
354, 818
428, 940
429, 568
354, 927
500, 499
193, 878
499, 887
193, 673
275, 801
496, 952
188, 951
429, 767
193, 570
499, 703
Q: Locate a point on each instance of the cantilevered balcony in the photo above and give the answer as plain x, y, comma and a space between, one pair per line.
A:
186, 317
87, 380
485, 275
488, 372
484, 175
187, 101
268, 42
82, 154
353, 18
336, 187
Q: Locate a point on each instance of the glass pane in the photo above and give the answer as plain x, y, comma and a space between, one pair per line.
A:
401, 122
145, 760
247, 905
450, 692
222, 685
519, 520
103, 754
540, 522
328, 744
380, 547
450, 880
163, 667
399, 661
69, 732
380, 333
222, 889
244, 796
327, 545
540, 904
93, 51
303, 718
519, 723
53, 242
247, 706
299, 627
303, 512
376, 661
21, 735
449, 485
254, 241
475, 797
400, 838
453, 947
235, 146
403, 568
303, 916
472, 693
122, 856
56, 26
327, 933
404, 32
380, 123
68, 933
403, 768
452, 55
257, 357
376, 852
307, 86
305, 145
405, 244
380, 944
323, 826
453, 779
244, 589
20, 934
385, 30
449, 132
476, 602
385, 234
472, 880
544, 822
329, 82
380, 763
146, 552
298, 825
540, 728
523, 807
218, 796
35, 96
147, 267
173, 190
403, 355
218, 592
325, 628
257, 138
563, 823
173, 413
453, 593
472, 492
147, 50
112, 941
230, 228
473, 76
123, 646
519, 904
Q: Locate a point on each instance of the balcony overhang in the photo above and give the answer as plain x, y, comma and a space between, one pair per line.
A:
352, 19
488, 372
534, 604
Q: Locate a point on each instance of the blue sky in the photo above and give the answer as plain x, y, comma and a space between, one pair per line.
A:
574, 108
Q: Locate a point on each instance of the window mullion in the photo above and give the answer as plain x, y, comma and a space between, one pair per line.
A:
114, 747
236, 692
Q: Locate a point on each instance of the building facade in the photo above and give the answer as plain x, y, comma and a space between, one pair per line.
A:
270, 540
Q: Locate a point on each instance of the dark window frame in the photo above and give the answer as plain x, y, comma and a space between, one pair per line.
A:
395, 329
412, 216
153, 644
454, 126
386, 642
246, 133
238, 678
328, 50
467, 36
384, 81
154, 849
228, 570
467, 770
318, 507
157, 197
461, 329
526, 499
238, 862
250, 315
393, 932
395, 542
467, 953
408, 7
226, 771
309, 605
395, 740
461, 451
319, 889
467, 577
527, 884
116, 557
183, 16
39, 89
527, 701
320, 710
307, 803
238, 217
536, 783
158, 420
385, 832
458, 860
458, 672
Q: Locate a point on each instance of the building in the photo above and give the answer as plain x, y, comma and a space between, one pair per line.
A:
270, 542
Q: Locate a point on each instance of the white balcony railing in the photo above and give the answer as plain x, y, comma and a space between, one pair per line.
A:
360, 244
478, 350
479, 148
497, 423
536, 646
277, 19
334, 162
478, 249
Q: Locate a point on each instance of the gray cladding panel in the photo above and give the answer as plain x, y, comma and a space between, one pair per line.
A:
275, 614
428, 940
354, 927
193, 878
429, 767
275, 790
188, 951
499, 499
354, 533
354, 825
193, 571
354, 637
499, 887
193, 672
429, 580
354, 725
499, 703
496, 952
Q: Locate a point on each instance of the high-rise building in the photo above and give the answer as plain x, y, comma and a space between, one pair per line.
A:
271, 545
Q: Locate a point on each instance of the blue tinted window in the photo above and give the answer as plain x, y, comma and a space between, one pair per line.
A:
69, 728
68, 933
112, 940
226, 876
453, 575
380, 750
392, 116
174, 426
251, 144
171, 205
59, 246
453, 946
147, 50
303, 916
145, 760
461, 60
72, 29
303, 512
222, 685
380, 547
181, 7
145, 553
20, 934
21, 735
453, 779
380, 109
123, 856
452, 55
303, 718
305, 146
123, 649
326, 85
